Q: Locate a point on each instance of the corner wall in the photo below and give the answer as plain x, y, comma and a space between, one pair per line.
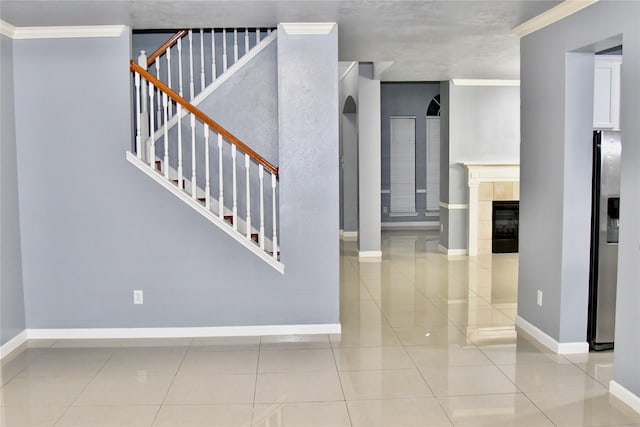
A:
12, 318
555, 179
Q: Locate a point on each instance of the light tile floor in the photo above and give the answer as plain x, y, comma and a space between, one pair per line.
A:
427, 341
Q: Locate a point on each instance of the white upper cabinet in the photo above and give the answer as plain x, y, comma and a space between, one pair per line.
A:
606, 94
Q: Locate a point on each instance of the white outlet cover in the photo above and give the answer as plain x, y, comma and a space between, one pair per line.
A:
138, 297
540, 298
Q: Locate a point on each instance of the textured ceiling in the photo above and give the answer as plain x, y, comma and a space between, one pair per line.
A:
425, 40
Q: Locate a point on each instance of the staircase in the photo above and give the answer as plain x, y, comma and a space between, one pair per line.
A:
191, 155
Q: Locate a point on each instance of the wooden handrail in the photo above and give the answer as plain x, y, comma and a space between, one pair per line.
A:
206, 119
159, 51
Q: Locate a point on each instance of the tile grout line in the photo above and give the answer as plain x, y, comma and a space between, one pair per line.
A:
175, 375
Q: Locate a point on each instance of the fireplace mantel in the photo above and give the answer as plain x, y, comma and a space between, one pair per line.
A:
477, 174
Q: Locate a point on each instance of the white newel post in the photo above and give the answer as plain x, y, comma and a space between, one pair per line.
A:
179, 124
143, 113
138, 116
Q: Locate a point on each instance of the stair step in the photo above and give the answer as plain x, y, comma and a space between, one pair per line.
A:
159, 165
229, 218
254, 237
175, 181
202, 200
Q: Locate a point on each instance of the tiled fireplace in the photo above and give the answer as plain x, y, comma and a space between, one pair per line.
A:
488, 182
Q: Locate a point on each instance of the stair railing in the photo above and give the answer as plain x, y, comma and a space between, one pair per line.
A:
210, 44
146, 86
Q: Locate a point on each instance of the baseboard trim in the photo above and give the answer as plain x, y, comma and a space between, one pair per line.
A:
369, 254
195, 332
549, 342
13, 344
623, 394
349, 235
452, 252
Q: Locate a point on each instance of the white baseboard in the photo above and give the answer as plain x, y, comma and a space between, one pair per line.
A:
349, 235
13, 344
409, 225
625, 395
452, 252
549, 342
370, 254
195, 332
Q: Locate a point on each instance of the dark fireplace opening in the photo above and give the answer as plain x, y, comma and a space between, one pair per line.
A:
505, 226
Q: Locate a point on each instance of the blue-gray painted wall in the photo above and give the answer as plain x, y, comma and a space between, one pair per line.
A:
349, 151
12, 319
94, 228
555, 178
406, 99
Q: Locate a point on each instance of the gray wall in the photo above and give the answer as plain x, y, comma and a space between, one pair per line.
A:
12, 320
94, 227
309, 196
349, 152
368, 161
483, 126
555, 178
406, 99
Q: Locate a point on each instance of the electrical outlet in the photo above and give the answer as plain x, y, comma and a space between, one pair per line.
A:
442, 228
138, 297
540, 298
384, 209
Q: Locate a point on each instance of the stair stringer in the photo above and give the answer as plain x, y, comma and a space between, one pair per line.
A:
218, 82
202, 210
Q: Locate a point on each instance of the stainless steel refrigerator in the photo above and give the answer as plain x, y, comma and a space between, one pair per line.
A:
604, 239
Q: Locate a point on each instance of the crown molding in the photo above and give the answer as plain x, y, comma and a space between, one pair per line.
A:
27, 33
555, 14
485, 82
7, 29
307, 28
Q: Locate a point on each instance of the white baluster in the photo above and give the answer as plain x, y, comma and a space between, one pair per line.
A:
257, 36
235, 187
235, 45
180, 69
143, 114
224, 50
261, 175
179, 125
165, 104
191, 85
168, 71
246, 40
248, 193
220, 180
201, 59
207, 187
159, 106
214, 71
193, 156
152, 146
273, 201
138, 116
